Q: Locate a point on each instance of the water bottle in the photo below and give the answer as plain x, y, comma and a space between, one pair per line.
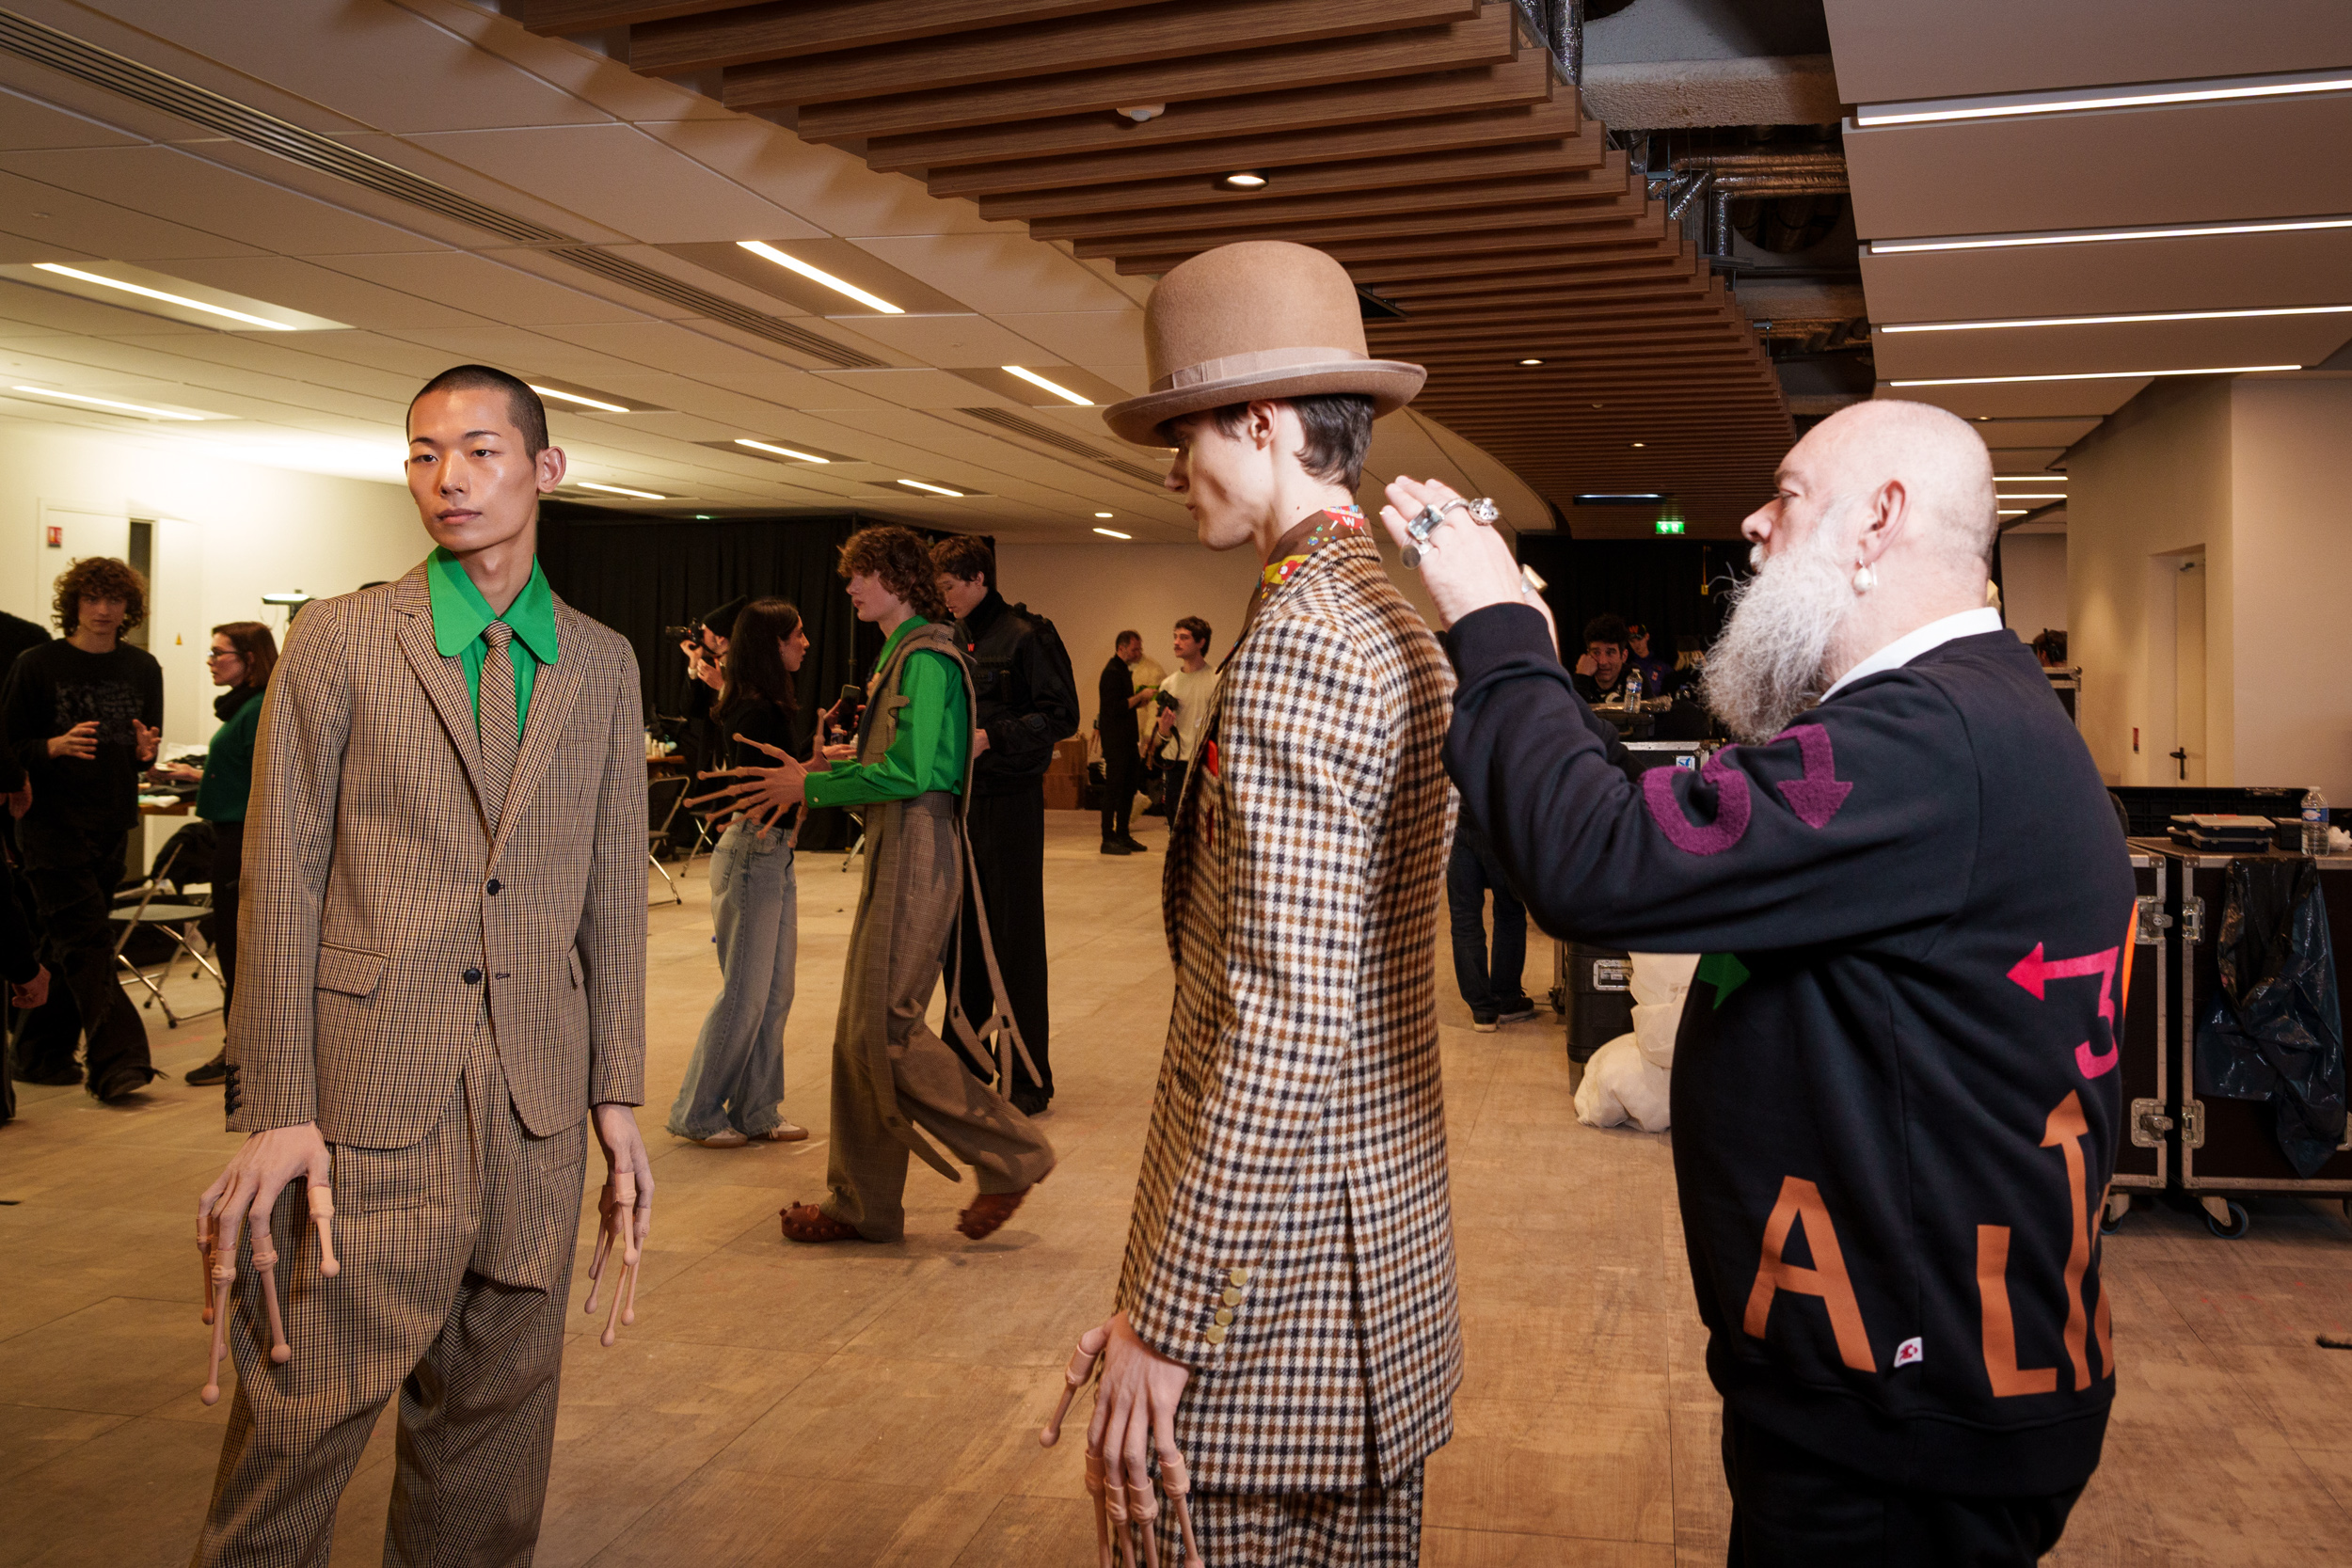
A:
1633, 697
2314, 823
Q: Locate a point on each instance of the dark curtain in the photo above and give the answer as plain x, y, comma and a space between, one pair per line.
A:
1676, 587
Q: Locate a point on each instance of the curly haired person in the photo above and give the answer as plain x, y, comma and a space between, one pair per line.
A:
82, 715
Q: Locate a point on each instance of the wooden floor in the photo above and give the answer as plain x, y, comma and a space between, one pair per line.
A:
860, 1405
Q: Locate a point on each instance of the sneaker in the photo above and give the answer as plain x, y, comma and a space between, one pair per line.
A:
1482, 1021
213, 1071
724, 1138
782, 1133
1517, 1009
1112, 846
120, 1082
1135, 846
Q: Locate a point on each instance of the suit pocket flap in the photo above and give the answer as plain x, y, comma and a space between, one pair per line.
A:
349, 971
571, 961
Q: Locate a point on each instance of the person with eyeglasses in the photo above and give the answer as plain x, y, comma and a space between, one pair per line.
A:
242, 657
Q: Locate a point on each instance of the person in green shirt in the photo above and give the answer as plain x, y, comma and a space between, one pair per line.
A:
242, 657
893, 1079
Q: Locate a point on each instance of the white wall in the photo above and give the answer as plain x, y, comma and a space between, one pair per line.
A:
1091, 593
2291, 508
2033, 583
226, 532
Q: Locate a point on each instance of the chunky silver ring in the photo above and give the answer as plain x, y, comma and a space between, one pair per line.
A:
1424, 524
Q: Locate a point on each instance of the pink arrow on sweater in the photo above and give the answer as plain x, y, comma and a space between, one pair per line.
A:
2034, 973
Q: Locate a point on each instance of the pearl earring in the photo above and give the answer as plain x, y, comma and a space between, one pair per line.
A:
1865, 578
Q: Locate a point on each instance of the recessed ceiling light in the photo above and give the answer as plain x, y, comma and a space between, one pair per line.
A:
180, 300
107, 403
2114, 320
1113, 534
619, 490
1538, 362
1641, 443
1054, 386
2090, 376
1102, 514
2095, 236
2072, 100
1598, 405
818, 275
581, 399
1243, 180
779, 452
934, 489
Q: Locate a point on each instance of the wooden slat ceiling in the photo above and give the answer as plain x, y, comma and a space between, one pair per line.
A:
1427, 144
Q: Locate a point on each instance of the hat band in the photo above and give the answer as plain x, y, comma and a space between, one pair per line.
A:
1234, 365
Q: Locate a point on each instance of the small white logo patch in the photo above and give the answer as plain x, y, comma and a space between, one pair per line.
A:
1908, 1354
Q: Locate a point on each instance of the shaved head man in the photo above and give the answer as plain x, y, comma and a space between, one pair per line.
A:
1894, 1100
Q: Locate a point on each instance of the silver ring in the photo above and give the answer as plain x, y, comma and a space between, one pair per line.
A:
1482, 510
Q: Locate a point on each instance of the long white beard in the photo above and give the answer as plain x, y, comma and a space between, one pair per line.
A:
1767, 666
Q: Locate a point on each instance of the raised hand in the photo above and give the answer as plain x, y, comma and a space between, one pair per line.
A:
246, 1194
762, 794
1466, 564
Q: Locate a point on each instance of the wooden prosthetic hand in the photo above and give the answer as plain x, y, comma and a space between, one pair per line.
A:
216, 1237
617, 1221
1135, 1502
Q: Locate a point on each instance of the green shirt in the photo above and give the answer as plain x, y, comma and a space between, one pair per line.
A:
460, 614
228, 780
929, 752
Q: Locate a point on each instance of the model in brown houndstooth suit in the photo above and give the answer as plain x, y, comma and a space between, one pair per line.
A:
444, 970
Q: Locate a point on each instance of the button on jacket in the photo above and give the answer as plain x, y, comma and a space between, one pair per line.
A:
368, 860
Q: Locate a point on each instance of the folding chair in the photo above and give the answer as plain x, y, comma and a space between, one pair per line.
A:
659, 818
177, 920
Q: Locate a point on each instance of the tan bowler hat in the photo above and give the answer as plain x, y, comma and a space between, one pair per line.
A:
1261, 319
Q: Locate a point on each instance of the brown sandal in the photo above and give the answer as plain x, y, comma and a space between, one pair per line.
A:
988, 1214
806, 1222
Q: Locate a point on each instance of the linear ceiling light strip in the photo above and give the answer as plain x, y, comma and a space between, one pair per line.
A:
86, 62
2096, 236
2075, 101
2117, 321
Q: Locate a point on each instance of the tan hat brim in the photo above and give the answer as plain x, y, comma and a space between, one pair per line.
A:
1389, 383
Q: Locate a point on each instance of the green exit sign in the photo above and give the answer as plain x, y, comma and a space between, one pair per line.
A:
1670, 525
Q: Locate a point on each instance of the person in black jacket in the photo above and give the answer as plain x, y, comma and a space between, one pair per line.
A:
1894, 1098
82, 715
1116, 700
1028, 701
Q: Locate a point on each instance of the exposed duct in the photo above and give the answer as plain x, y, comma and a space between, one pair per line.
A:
1723, 178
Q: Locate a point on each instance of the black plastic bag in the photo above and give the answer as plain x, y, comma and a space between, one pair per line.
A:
2274, 1031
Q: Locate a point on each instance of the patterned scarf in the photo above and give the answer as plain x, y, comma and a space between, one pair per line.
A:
1291, 552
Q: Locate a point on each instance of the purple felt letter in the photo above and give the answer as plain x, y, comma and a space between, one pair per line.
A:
1731, 807
1815, 796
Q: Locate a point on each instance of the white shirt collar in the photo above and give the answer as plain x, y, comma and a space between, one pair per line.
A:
1969, 623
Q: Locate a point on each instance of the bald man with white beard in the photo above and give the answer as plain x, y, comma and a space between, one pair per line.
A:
1894, 1098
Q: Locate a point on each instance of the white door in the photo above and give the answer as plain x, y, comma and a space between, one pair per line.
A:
2189, 670
62, 535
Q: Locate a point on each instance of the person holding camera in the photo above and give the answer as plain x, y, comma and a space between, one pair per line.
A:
1183, 706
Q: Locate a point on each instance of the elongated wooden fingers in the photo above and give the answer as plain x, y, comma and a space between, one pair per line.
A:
604, 1247
322, 1220
204, 1273
224, 1276
265, 1265
1143, 1507
621, 1218
1075, 1377
1176, 1482
1102, 1517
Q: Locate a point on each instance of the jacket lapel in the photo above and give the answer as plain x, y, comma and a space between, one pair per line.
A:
443, 680
554, 691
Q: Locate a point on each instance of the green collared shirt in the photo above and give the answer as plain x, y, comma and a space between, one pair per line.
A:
928, 752
460, 615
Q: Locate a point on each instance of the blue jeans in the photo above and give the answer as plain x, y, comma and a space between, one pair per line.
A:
736, 1078
1470, 876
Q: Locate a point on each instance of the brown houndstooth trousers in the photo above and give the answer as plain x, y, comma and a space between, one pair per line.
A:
457, 1269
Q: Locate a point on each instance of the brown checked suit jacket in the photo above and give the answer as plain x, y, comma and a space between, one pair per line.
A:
374, 885
1292, 1240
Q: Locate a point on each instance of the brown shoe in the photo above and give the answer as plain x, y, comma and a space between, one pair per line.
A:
988, 1214
806, 1222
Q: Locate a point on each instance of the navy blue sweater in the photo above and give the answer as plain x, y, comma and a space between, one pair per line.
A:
1895, 1103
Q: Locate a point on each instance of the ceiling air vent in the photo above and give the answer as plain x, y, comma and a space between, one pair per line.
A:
1055, 440
629, 274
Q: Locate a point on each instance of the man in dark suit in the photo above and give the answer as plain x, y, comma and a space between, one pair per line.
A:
1123, 759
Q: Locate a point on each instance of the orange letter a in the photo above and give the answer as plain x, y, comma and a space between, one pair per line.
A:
1800, 1198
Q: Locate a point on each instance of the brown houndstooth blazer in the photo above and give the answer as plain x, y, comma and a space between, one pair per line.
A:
1294, 1173
369, 874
